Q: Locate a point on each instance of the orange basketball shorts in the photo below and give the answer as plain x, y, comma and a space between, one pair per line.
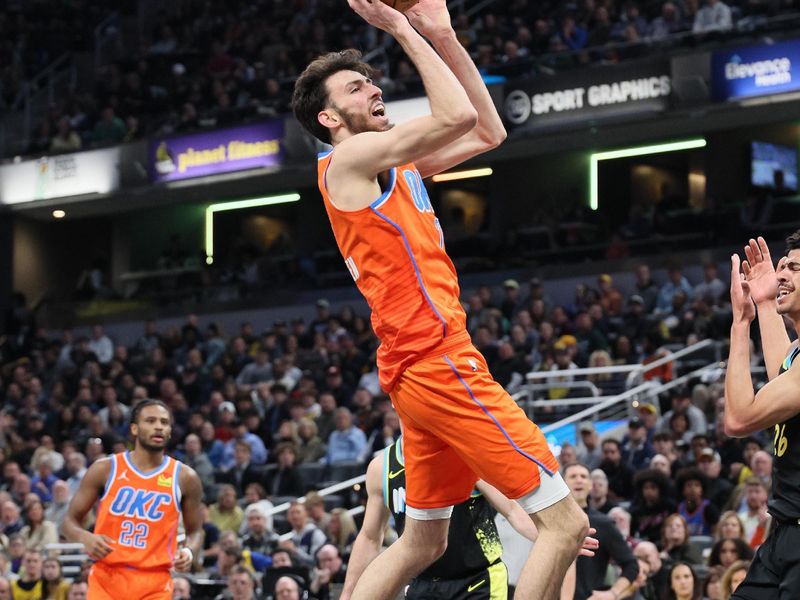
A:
459, 425
114, 582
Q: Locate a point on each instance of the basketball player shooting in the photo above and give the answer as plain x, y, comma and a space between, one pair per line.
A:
459, 425
142, 494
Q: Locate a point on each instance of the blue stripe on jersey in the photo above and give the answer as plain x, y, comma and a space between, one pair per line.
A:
176, 486
111, 475
416, 268
389, 189
158, 469
493, 418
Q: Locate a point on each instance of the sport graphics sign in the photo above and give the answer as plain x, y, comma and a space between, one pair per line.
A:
576, 95
59, 176
755, 71
214, 152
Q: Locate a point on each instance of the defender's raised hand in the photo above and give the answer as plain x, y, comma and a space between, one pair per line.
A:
744, 311
759, 271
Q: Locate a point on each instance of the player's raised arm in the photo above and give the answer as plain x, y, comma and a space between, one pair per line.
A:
91, 488
452, 114
370, 538
432, 20
763, 284
191, 499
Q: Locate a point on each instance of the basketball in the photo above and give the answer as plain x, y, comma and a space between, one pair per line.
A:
401, 5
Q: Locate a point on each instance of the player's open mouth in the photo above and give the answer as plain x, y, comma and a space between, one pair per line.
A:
157, 438
783, 291
379, 110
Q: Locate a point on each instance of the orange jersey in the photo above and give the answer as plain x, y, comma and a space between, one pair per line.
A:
140, 512
394, 250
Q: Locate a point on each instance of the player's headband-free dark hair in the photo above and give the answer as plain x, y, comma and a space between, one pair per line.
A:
137, 408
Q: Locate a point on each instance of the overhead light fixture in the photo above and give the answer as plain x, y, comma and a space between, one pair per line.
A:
454, 175
59, 214
595, 159
238, 205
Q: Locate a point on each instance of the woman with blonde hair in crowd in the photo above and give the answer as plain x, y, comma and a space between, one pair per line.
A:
733, 577
342, 531
730, 526
310, 447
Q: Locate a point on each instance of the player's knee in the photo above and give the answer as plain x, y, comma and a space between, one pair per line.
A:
431, 551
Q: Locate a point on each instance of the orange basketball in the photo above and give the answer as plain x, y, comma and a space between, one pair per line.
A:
401, 5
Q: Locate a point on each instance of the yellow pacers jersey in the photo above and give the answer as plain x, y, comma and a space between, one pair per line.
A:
140, 512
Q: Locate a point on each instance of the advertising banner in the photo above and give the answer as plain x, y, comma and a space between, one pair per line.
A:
755, 71
586, 93
214, 152
96, 171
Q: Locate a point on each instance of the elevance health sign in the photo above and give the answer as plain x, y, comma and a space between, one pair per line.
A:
755, 71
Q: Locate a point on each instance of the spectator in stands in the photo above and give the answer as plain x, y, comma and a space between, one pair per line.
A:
590, 573
285, 480
725, 552
572, 35
38, 532
258, 453
57, 509
675, 284
622, 521
636, 450
335, 384
79, 590
342, 531
700, 514
681, 403
195, 457
181, 588
42, 483
675, 544
30, 585
652, 504
598, 495
10, 517
714, 16
734, 576
5, 588
243, 472
511, 301
54, 588
258, 537
225, 513
712, 287
730, 526
588, 451
567, 455
101, 345
65, 139
684, 584
755, 517
620, 476
306, 538
287, 588
719, 488
329, 569
347, 443
659, 572
668, 23
241, 585
110, 128
315, 506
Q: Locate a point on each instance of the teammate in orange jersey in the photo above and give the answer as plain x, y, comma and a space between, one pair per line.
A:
459, 425
142, 494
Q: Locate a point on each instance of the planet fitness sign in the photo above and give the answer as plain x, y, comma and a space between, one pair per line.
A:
222, 151
755, 71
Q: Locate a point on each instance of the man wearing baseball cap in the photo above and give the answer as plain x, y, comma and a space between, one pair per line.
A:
588, 450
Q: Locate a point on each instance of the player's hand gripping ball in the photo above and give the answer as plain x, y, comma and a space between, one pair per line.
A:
400, 5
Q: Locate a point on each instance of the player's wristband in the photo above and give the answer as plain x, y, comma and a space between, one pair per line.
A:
191, 554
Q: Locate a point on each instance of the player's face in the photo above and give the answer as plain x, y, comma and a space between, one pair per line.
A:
789, 285
358, 102
153, 428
